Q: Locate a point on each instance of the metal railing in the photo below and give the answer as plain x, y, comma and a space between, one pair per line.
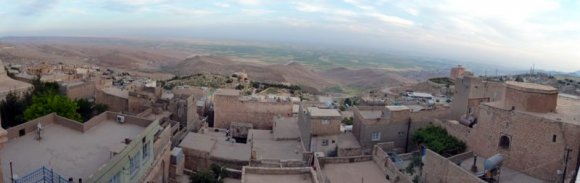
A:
41, 175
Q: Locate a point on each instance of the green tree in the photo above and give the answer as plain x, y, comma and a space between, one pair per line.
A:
85, 109
437, 139
215, 174
12, 109
47, 103
347, 121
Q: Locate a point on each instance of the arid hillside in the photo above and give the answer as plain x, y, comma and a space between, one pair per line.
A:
152, 58
291, 72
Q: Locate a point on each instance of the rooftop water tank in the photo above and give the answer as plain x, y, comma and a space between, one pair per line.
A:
493, 162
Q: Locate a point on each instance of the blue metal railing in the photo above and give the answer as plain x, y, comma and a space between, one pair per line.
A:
41, 175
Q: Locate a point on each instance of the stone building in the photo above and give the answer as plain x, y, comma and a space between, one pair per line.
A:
319, 129
8, 84
470, 91
375, 124
142, 97
111, 147
532, 127
117, 99
78, 89
457, 72
230, 107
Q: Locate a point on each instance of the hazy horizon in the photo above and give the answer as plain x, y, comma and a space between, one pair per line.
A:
517, 34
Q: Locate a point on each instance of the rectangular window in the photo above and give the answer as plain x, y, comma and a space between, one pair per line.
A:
145, 151
134, 163
553, 138
325, 122
324, 142
376, 136
116, 178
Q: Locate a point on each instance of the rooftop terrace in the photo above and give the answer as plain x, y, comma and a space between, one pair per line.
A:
215, 143
116, 92
368, 171
278, 175
286, 128
227, 92
507, 175
268, 148
71, 149
315, 111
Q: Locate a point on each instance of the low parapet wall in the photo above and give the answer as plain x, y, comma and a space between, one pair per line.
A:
387, 166
280, 171
440, 169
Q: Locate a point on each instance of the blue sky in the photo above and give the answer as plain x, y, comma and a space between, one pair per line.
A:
512, 32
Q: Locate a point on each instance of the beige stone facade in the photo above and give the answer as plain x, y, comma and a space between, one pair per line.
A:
375, 124
470, 88
229, 107
532, 128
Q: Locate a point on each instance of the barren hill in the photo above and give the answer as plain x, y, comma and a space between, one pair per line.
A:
164, 58
292, 72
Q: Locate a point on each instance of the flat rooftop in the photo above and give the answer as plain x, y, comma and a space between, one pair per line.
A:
354, 172
216, 144
278, 175
9, 84
397, 107
286, 128
566, 110
315, 111
267, 147
531, 87
69, 152
228, 92
507, 175
279, 178
371, 114
116, 92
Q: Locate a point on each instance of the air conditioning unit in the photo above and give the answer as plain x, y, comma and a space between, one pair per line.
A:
120, 119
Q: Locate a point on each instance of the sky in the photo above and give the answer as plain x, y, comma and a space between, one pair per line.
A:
514, 33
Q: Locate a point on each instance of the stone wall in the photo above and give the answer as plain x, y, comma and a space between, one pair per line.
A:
393, 130
196, 160
229, 109
349, 152
531, 101
115, 103
470, 87
439, 169
387, 166
85, 90
536, 144
30, 126
320, 128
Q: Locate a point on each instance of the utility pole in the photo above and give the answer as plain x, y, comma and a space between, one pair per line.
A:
566, 164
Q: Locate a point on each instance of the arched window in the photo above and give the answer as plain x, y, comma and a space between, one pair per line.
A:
504, 142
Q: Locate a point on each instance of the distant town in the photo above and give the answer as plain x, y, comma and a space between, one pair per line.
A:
84, 123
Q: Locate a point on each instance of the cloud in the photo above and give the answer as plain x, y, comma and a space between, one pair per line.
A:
256, 12
359, 4
250, 2
222, 5
393, 20
305, 7
36, 7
